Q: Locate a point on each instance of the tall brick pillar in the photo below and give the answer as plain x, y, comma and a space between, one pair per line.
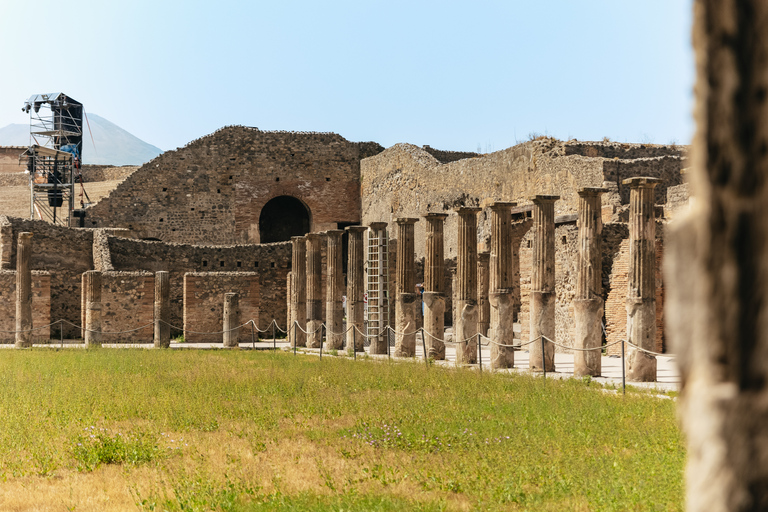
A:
543, 283
406, 296
483, 288
588, 303
434, 286
641, 294
314, 292
378, 299
162, 309
501, 296
92, 291
298, 292
231, 320
334, 290
356, 287
465, 328
24, 291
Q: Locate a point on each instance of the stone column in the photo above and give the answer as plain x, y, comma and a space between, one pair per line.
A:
356, 287
92, 291
501, 296
334, 289
434, 286
24, 291
543, 283
588, 303
641, 294
162, 309
483, 284
314, 291
298, 292
405, 307
231, 320
465, 329
378, 301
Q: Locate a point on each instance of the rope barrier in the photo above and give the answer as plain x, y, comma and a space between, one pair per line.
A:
646, 350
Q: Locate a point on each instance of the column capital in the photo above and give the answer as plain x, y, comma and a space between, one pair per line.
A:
502, 205
333, 232
641, 182
544, 198
430, 216
376, 226
314, 236
406, 220
591, 191
467, 210
298, 239
356, 229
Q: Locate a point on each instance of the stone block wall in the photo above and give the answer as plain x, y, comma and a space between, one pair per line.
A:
93, 173
204, 303
41, 305
127, 302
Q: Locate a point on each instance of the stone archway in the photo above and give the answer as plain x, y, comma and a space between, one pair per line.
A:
283, 217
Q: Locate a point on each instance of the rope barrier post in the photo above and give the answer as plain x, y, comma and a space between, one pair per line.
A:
424, 346
253, 337
321, 342
274, 340
623, 371
543, 359
354, 342
61, 333
294, 337
480, 352
386, 333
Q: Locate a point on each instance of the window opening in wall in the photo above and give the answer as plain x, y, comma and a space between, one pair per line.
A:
165, 189
327, 179
93, 222
277, 179
218, 191
564, 240
161, 219
281, 218
230, 177
239, 264
530, 244
192, 209
221, 263
205, 263
272, 264
255, 263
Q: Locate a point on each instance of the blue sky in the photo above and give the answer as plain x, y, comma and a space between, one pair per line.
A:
454, 75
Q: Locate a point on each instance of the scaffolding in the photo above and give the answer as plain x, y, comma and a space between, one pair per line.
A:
54, 155
378, 282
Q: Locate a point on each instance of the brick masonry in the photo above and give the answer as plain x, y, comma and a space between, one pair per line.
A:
41, 305
127, 303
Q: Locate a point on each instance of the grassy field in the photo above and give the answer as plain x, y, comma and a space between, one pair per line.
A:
217, 430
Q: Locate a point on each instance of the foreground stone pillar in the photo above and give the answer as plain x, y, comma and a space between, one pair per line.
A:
314, 292
356, 287
501, 292
298, 292
588, 303
162, 309
483, 288
231, 320
434, 286
543, 283
24, 291
92, 291
334, 289
465, 328
378, 298
715, 265
406, 296
641, 294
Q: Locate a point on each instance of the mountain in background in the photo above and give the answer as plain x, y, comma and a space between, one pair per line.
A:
114, 146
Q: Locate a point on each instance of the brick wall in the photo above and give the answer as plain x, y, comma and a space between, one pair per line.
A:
127, 302
92, 173
41, 305
204, 303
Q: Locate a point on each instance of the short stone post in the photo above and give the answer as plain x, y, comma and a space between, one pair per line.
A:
355, 288
298, 314
434, 286
588, 303
501, 296
405, 307
641, 294
378, 299
465, 328
231, 320
543, 284
24, 291
162, 309
483, 284
334, 289
314, 293
92, 291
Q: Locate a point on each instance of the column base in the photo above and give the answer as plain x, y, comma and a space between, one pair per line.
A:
589, 334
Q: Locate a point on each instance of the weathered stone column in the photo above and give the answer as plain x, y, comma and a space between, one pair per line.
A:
434, 286
334, 289
24, 291
405, 307
356, 287
501, 296
641, 294
231, 320
314, 291
483, 288
298, 314
465, 329
543, 283
92, 291
162, 309
378, 299
588, 303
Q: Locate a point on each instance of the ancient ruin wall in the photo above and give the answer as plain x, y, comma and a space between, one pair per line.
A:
204, 303
212, 190
127, 303
93, 173
41, 305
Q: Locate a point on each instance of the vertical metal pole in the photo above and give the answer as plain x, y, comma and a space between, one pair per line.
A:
424, 346
294, 337
61, 333
543, 359
479, 352
386, 333
623, 371
253, 336
321, 342
354, 342
274, 340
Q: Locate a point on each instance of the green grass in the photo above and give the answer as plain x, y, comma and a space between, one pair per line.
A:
221, 430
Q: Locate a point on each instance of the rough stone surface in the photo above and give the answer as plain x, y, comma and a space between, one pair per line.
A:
465, 328
334, 312
314, 291
162, 309
24, 322
543, 284
405, 308
204, 303
231, 321
92, 292
356, 287
127, 304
